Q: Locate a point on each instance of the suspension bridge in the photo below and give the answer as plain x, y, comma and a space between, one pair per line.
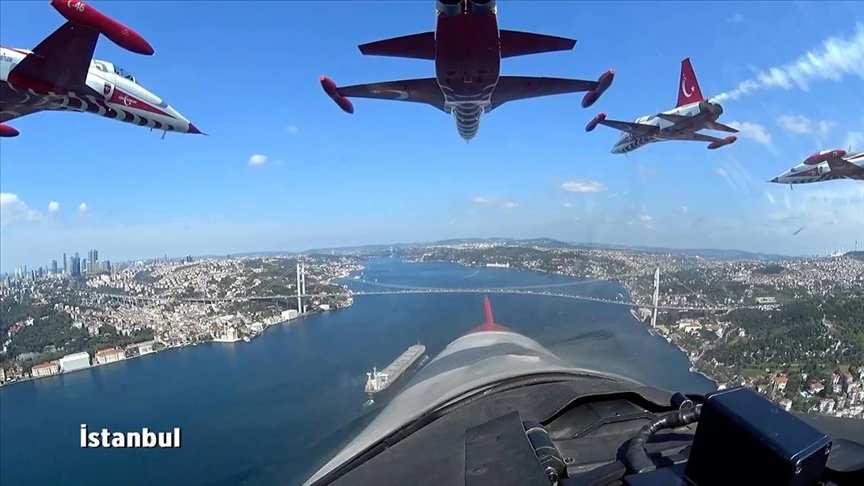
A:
393, 289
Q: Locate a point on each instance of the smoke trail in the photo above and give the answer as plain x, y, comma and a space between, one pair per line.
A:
836, 58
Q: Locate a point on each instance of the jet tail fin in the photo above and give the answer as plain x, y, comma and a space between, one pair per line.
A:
487, 306
414, 46
688, 86
490, 325
515, 43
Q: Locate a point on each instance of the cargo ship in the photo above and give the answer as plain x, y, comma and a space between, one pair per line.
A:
411, 359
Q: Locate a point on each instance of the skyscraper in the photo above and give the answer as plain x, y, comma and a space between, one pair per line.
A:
65, 267
53, 266
76, 265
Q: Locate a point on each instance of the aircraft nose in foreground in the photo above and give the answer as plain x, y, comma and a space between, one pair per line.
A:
182, 124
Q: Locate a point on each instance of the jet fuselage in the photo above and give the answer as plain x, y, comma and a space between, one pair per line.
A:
467, 65
116, 95
806, 174
699, 114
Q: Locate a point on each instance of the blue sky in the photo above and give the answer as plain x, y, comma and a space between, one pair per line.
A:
247, 74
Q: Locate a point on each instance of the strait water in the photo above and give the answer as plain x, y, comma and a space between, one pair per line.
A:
273, 410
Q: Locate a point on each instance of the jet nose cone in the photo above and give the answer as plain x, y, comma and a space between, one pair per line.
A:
182, 124
775, 180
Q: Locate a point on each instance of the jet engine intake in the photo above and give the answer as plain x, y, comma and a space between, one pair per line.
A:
722, 143
594, 122
81, 13
824, 156
7, 132
332, 91
710, 107
481, 7
449, 8
603, 84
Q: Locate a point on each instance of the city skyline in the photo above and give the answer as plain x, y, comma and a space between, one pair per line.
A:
270, 176
856, 246
71, 266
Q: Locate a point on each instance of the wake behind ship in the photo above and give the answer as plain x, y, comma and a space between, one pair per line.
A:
378, 381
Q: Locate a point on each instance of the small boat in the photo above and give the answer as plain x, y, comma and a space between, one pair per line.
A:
246, 339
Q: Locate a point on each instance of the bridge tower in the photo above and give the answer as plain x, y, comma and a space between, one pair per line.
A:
656, 299
299, 293
301, 287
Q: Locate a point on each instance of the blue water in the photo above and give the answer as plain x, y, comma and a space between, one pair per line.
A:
271, 411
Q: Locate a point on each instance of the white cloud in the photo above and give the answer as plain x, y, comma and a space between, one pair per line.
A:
854, 140
801, 125
752, 131
14, 210
494, 201
583, 187
257, 159
83, 209
795, 124
646, 170
292, 129
841, 204
566, 204
736, 18
53, 207
836, 58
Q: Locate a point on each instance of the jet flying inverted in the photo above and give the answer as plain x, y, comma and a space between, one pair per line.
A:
61, 74
692, 113
827, 165
467, 48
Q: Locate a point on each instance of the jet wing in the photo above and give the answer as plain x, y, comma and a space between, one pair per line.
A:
635, 129
709, 125
413, 90
513, 88
7, 114
672, 118
843, 166
63, 58
720, 127
696, 137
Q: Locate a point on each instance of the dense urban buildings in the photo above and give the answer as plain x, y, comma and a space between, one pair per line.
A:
791, 329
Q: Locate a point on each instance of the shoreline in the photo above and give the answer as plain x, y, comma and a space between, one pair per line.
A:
346, 286
164, 348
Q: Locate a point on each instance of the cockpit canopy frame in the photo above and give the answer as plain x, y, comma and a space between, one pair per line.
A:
109, 67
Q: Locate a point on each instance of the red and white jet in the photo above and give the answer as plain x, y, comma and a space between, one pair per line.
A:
692, 113
827, 165
60, 74
467, 48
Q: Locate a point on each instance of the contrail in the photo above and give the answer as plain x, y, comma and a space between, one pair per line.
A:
836, 58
